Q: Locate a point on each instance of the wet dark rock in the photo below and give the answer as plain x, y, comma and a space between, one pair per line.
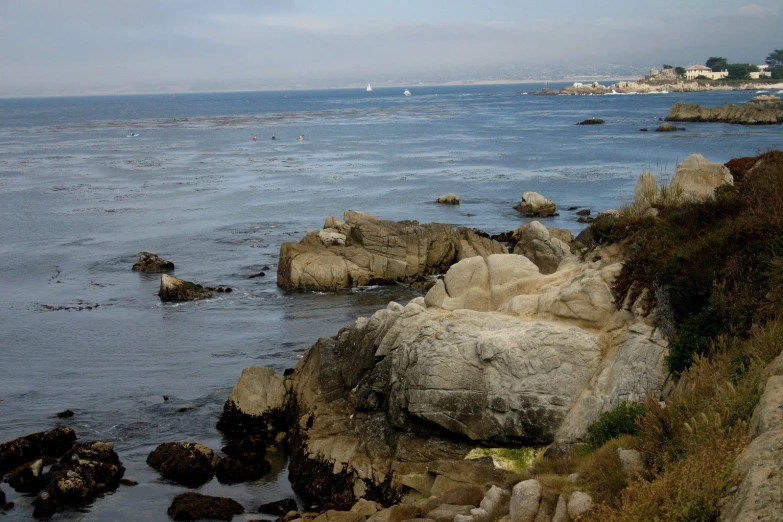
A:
592, 121
242, 467
27, 478
260, 274
188, 463
129, 482
173, 289
66, 414
249, 444
278, 508
583, 212
30, 447
2, 497
8, 507
151, 262
584, 219
194, 506
86, 471
645, 129
667, 127
381, 281
165, 397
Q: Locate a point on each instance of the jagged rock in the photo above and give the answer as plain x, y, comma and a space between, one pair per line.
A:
592, 121
751, 113
448, 199
151, 262
173, 289
194, 506
534, 242
697, 178
759, 496
468, 494
27, 478
188, 463
30, 447
333, 515
376, 249
65, 414
525, 499
534, 204
242, 468
89, 469
258, 405
579, 503
366, 508
447, 512
279, 507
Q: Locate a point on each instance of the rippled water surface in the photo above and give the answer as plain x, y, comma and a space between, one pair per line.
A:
79, 200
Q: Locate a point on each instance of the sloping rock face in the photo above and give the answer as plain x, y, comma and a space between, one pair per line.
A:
496, 353
364, 248
751, 113
151, 262
173, 289
535, 242
760, 496
698, 178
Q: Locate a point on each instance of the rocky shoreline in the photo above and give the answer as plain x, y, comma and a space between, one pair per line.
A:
644, 87
522, 352
760, 110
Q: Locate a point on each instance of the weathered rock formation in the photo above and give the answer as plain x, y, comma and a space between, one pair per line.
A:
496, 353
175, 289
751, 113
89, 469
151, 262
696, 178
448, 199
31, 447
188, 463
534, 204
364, 249
759, 496
536, 242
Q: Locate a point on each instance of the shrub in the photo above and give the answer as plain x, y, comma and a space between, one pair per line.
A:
619, 421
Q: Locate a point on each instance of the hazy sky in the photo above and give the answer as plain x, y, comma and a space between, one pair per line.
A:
78, 46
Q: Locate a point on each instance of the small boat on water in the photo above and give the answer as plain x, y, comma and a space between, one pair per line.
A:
132, 134
369, 87
406, 92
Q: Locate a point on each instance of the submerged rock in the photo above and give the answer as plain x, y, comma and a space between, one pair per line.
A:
30, 447
534, 204
151, 262
194, 506
242, 467
88, 470
188, 463
174, 289
592, 121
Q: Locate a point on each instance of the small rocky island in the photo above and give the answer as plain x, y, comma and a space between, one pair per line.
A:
758, 111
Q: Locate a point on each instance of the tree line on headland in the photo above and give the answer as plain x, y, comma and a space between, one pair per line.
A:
738, 71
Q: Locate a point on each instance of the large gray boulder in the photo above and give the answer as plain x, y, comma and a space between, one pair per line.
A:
525, 500
535, 242
698, 178
363, 248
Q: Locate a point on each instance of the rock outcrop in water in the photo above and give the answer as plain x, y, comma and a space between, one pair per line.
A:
496, 353
173, 289
151, 262
195, 506
188, 463
534, 204
765, 111
365, 250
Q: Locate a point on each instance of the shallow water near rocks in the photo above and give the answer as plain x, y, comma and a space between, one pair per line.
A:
78, 200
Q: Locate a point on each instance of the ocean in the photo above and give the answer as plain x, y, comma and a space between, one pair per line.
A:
79, 199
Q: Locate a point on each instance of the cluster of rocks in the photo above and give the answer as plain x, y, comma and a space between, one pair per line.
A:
173, 289
61, 472
759, 110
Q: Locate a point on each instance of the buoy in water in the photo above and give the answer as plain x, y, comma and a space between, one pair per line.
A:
255, 138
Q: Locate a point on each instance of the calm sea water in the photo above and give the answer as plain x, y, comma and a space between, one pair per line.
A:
79, 200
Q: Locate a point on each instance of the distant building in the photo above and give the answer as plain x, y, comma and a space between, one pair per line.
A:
763, 72
695, 71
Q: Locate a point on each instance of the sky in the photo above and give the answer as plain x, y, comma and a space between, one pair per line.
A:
54, 47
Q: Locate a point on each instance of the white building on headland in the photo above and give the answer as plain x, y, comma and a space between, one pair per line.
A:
763, 72
695, 71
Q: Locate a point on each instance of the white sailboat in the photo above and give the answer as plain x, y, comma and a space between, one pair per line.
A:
406, 92
369, 87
